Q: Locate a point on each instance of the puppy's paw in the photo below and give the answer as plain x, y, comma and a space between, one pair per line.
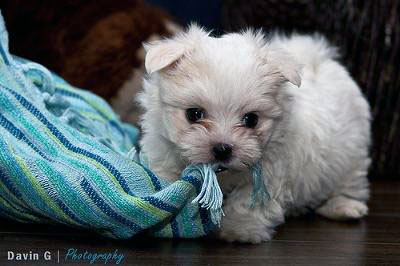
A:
245, 233
253, 238
341, 208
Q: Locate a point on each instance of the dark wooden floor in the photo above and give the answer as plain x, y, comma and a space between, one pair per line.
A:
308, 240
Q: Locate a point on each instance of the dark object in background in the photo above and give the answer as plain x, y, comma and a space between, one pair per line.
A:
206, 13
91, 44
368, 35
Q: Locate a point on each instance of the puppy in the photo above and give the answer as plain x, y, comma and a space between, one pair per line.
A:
238, 100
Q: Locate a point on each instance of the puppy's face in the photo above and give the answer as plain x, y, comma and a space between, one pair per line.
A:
219, 97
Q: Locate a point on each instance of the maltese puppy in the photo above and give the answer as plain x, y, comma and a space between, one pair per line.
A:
240, 99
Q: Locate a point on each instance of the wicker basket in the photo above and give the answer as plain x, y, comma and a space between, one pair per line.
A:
368, 35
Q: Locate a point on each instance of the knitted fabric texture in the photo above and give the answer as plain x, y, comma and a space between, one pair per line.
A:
64, 158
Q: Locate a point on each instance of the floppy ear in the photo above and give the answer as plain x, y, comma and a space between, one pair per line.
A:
161, 54
287, 65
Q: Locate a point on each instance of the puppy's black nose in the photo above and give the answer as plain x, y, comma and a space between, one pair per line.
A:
222, 152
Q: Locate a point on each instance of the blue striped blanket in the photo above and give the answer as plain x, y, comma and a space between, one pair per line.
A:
65, 158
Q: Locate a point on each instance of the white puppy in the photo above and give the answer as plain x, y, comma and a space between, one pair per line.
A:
238, 100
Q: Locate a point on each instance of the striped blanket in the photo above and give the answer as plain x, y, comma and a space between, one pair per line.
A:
64, 158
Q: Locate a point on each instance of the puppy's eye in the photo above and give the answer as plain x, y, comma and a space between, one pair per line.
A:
250, 120
194, 114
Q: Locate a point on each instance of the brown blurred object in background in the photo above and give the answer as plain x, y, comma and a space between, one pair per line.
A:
92, 44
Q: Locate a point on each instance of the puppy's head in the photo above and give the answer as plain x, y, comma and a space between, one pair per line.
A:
216, 99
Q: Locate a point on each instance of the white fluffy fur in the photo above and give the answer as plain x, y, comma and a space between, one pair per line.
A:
312, 140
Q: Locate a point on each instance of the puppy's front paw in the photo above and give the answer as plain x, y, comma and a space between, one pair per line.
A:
245, 233
254, 238
341, 208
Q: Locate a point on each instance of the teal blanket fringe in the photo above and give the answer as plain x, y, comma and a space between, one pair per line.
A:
66, 158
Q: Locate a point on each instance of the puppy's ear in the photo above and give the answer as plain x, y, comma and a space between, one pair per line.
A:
161, 54
286, 64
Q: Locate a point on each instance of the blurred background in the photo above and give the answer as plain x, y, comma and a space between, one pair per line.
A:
96, 45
